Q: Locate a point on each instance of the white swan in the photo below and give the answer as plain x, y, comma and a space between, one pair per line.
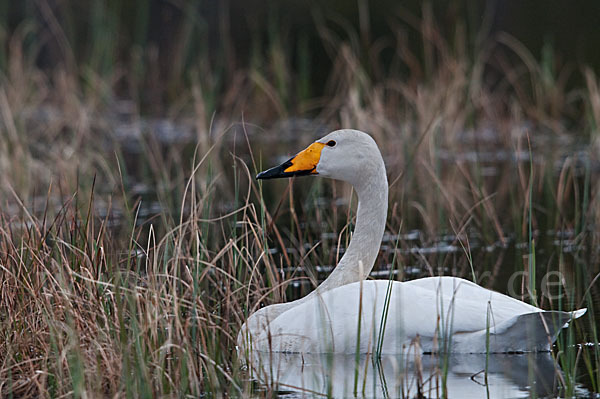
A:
444, 313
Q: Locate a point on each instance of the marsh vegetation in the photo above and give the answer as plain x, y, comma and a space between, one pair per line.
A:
135, 241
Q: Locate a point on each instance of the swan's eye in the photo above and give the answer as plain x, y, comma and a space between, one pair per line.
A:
331, 143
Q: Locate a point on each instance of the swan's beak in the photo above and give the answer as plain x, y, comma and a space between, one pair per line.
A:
304, 163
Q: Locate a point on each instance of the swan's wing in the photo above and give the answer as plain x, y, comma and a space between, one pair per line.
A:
437, 308
529, 332
392, 315
500, 307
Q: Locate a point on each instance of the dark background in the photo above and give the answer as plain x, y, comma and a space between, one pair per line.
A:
165, 43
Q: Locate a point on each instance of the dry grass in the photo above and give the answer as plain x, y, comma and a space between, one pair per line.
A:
98, 300
85, 313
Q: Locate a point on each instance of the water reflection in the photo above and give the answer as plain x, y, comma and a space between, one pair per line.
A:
508, 376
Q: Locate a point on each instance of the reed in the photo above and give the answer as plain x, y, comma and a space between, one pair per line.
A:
132, 250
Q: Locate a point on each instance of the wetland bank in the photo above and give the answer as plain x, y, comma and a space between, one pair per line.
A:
135, 241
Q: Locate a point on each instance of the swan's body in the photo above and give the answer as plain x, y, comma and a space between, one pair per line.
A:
443, 312
439, 310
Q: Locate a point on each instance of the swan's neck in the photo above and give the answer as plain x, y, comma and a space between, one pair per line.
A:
359, 258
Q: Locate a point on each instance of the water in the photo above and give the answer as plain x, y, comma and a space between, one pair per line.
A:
461, 376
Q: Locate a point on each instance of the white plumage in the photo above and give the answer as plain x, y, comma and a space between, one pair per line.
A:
437, 313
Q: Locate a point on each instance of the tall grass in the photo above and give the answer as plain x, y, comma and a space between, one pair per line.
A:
84, 311
128, 262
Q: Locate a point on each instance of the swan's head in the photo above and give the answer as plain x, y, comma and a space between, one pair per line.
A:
347, 155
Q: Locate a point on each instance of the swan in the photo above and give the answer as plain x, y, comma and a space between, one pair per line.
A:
348, 314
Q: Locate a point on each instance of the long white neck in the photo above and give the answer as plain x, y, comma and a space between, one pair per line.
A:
359, 258
371, 186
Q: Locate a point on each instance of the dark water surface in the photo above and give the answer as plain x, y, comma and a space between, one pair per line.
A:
464, 376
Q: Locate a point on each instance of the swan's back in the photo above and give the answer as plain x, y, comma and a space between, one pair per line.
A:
434, 309
501, 307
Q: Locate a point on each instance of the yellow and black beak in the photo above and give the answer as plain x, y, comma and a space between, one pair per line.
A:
304, 163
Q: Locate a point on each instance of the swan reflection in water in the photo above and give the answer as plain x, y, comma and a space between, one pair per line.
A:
336, 375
